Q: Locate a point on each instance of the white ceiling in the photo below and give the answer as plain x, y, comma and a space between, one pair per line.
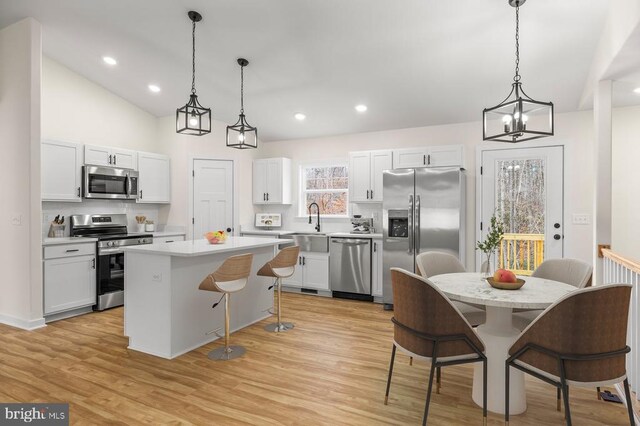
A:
413, 62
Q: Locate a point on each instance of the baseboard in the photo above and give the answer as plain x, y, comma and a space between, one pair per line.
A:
22, 324
620, 391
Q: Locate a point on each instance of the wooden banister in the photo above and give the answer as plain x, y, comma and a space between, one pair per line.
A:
624, 261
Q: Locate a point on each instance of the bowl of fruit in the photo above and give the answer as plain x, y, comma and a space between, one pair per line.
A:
505, 280
216, 237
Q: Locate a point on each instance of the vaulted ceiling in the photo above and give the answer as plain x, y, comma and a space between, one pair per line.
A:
412, 62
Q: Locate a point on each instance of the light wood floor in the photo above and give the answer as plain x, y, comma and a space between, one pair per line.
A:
331, 369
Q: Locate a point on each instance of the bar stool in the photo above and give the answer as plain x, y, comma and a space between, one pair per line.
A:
229, 278
281, 266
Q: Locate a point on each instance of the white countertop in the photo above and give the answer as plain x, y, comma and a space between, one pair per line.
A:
536, 293
202, 247
67, 240
266, 232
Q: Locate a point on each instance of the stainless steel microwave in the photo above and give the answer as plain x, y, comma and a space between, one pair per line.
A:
109, 183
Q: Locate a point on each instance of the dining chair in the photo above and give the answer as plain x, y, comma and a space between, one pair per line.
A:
428, 326
570, 271
580, 340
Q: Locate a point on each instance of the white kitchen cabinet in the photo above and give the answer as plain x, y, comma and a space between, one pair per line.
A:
169, 239
376, 269
69, 277
110, 157
428, 156
61, 171
154, 183
365, 175
272, 181
312, 271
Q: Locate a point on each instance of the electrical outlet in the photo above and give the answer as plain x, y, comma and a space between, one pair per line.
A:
16, 219
580, 219
157, 277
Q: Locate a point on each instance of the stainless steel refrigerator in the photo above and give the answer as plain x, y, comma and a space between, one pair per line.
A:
423, 209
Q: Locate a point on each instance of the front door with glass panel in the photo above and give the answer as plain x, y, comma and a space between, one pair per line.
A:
523, 187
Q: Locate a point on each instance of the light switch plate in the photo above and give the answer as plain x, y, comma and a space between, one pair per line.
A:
580, 219
16, 219
157, 277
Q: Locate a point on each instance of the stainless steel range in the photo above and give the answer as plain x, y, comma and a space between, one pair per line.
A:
111, 232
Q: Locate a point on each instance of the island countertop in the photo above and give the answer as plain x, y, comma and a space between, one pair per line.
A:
202, 247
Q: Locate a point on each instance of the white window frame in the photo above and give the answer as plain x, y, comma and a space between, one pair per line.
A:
302, 199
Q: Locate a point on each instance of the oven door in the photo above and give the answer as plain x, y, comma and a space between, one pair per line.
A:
110, 279
105, 182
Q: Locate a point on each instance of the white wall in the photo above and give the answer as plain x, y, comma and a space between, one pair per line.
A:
75, 109
573, 130
183, 148
625, 238
21, 283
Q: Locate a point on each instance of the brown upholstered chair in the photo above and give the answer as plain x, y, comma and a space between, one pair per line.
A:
229, 278
281, 266
432, 263
569, 271
581, 340
428, 326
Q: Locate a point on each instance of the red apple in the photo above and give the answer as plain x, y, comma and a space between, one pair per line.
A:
504, 276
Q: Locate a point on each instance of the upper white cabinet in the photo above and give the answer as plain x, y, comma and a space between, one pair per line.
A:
272, 181
365, 175
61, 171
110, 157
428, 156
155, 178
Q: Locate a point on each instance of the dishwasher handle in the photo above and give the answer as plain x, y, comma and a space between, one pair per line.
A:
350, 242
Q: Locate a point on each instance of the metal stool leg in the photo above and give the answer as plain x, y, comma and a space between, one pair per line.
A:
227, 352
279, 326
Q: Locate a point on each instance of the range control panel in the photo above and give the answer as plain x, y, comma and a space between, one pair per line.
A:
268, 220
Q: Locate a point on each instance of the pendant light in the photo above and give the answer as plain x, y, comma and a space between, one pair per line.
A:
193, 118
518, 118
242, 135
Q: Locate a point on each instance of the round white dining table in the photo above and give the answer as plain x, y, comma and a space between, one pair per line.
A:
498, 333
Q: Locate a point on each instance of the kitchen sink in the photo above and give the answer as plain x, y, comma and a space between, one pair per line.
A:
310, 241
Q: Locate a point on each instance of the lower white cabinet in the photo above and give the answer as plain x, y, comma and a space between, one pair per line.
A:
170, 239
69, 282
312, 271
376, 269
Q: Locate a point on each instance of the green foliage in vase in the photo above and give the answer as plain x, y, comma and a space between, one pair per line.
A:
494, 236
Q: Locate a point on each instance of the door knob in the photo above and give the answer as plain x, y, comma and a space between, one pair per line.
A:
557, 237
556, 225
228, 229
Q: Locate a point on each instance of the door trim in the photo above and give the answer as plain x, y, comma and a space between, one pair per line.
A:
190, 179
497, 146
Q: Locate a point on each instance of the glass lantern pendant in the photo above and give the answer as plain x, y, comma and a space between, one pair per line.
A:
242, 135
193, 118
518, 118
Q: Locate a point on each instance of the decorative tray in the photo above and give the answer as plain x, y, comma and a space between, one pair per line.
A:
505, 286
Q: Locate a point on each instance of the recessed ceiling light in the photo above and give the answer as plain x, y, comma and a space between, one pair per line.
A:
361, 108
154, 88
109, 60
300, 116
637, 90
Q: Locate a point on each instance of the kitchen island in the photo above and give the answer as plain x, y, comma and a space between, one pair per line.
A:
166, 315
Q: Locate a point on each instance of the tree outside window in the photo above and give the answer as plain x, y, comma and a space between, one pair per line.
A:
328, 186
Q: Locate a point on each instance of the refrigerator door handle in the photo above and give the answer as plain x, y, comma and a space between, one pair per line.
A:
410, 220
417, 227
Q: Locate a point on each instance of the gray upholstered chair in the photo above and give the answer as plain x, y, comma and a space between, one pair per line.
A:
580, 340
426, 325
570, 271
432, 263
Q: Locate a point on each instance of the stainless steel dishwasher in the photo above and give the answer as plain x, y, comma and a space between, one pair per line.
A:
350, 267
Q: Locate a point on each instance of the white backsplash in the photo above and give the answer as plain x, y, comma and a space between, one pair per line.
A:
50, 209
292, 222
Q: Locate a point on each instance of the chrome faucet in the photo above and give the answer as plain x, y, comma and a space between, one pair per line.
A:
318, 212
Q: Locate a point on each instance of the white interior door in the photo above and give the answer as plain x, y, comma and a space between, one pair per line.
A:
212, 196
524, 188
